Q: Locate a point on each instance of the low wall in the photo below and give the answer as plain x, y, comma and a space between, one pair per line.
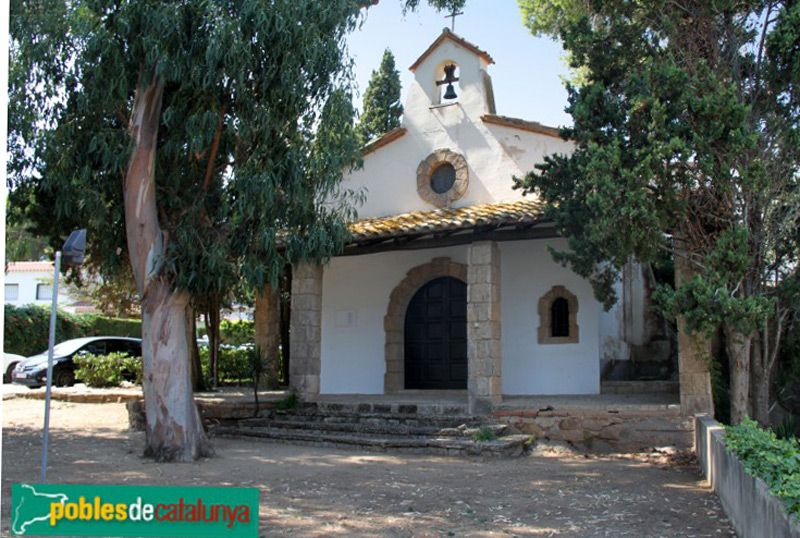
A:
625, 429
754, 512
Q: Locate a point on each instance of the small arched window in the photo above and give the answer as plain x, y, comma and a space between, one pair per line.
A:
558, 320
559, 316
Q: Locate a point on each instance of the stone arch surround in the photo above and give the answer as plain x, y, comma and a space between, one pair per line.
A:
394, 321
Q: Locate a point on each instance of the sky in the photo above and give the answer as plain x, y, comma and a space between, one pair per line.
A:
527, 73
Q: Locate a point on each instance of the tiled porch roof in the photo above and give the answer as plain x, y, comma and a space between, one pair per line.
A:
525, 212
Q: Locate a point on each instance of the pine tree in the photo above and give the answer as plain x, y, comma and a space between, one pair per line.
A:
382, 108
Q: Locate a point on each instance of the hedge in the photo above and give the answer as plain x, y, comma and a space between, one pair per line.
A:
775, 461
27, 328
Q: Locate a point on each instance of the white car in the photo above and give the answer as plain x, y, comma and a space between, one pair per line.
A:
10, 361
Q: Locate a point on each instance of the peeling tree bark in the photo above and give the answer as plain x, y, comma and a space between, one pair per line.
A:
738, 347
174, 430
267, 326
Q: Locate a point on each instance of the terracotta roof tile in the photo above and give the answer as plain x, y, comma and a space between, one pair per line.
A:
441, 220
28, 267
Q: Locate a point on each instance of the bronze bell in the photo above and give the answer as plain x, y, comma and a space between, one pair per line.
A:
449, 78
450, 93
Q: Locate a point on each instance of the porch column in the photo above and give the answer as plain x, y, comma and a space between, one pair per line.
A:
267, 337
306, 330
484, 351
695, 380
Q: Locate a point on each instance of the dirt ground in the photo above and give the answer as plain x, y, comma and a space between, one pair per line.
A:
316, 492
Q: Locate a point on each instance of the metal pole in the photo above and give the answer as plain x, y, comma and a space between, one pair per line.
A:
53, 308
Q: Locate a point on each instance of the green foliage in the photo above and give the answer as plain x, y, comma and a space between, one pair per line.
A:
382, 107
247, 89
237, 333
21, 243
27, 328
670, 139
776, 461
787, 428
102, 371
233, 367
548, 17
439, 5
288, 403
103, 326
484, 435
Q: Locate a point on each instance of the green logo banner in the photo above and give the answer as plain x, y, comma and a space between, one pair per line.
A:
75, 510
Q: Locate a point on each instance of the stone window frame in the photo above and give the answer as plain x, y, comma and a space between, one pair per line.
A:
395, 320
425, 171
545, 317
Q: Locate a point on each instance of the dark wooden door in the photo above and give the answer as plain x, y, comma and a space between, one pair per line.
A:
436, 336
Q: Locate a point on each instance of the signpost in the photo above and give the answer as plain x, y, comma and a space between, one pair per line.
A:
73, 252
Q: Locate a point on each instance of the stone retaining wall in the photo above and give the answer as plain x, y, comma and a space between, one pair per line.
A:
602, 429
754, 512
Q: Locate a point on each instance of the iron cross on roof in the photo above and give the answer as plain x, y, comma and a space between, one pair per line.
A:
453, 16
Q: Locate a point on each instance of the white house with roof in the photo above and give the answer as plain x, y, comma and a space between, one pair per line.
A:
31, 282
448, 284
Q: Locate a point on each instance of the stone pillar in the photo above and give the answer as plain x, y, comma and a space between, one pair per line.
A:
306, 330
693, 350
267, 337
484, 349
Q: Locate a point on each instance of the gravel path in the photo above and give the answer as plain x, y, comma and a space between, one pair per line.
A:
307, 491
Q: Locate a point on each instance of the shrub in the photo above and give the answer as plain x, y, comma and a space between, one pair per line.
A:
27, 328
484, 435
237, 333
288, 403
776, 461
233, 366
103, 326
108, 370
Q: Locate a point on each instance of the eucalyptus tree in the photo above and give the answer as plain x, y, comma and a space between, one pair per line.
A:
686, 126
205, 127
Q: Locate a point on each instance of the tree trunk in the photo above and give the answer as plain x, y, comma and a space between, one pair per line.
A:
174, 430
267, 326
286, 316
198, 382
738, 347
212, 331
759, 382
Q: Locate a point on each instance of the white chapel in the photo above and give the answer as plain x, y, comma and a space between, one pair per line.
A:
447, 284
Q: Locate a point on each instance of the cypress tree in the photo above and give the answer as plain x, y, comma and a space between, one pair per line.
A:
382, 108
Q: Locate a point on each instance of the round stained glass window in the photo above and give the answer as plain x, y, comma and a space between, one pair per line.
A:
443, 178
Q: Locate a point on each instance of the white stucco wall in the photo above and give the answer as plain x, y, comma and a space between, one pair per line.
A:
494, 154
529, 272
27, 282
355, 297
356, 292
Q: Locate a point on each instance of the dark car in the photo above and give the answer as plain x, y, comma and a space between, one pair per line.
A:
33, 370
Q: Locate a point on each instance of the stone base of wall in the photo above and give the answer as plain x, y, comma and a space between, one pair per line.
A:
601, 430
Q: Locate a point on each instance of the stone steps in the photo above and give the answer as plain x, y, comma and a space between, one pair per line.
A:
434, 429
466, 429
506, 446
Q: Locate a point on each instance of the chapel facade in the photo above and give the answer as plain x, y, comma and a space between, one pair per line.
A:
448, 284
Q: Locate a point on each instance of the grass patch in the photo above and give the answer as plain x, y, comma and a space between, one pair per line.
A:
484, 435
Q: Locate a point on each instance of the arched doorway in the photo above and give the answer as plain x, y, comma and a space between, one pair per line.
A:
435, 337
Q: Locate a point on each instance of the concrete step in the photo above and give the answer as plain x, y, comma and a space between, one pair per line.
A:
506, 446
